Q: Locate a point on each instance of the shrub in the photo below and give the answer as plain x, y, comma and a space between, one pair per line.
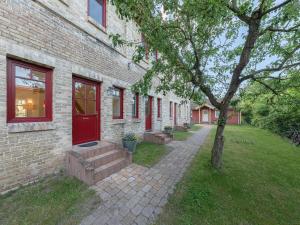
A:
130, 137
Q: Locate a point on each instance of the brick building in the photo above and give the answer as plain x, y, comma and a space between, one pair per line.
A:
62, 83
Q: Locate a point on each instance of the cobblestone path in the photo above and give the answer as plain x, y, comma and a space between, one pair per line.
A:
136, 194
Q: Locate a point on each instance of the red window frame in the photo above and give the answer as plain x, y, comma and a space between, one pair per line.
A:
136, 116
171, 109
121, 103
103, 11
158, 107
11, 92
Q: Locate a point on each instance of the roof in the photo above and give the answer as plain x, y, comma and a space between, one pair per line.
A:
207, 103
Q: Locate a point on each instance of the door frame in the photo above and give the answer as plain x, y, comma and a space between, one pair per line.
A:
98, 104
150, 98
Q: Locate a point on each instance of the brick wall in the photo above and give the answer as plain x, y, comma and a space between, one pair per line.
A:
60, 36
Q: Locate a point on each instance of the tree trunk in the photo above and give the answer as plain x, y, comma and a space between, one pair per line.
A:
217, 150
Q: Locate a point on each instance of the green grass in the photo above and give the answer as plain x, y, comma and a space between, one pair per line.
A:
258, 185
54, 200
195, 127
182, 135
147, 154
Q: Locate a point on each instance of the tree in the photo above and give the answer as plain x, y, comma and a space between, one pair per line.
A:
213, 47
279, 111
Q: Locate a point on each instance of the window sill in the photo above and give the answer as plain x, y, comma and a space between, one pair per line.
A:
96, 24
118, 121
136, 120
66, 2
30, 127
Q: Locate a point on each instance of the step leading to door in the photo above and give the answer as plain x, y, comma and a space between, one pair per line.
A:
95, 163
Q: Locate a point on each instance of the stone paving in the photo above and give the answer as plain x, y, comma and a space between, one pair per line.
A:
136, 194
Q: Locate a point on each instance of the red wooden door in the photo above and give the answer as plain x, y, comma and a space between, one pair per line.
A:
148, 113
86, 111
195, 116
175, 114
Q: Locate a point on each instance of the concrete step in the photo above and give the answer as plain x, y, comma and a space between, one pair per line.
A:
157, 138
110, 168
97, 150
106, 157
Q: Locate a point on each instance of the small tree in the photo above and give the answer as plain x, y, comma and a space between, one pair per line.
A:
213, 46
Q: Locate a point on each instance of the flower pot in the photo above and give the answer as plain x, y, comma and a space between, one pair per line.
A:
130, 145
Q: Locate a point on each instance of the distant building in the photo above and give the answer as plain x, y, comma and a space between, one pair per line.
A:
208, 114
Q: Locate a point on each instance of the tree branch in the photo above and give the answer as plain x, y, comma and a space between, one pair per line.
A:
266, 85
275, 7
285, 30
275, 69
234, 8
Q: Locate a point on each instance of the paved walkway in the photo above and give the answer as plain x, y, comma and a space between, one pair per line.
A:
136, 195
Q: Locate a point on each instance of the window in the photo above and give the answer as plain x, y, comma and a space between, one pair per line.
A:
159, 108
155, 56
118, 94
85, 99
179, 110
217, 113
29, 92
145, 45
97, 10
171, 109
135, 106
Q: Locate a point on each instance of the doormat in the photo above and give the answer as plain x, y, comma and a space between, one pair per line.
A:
90, 144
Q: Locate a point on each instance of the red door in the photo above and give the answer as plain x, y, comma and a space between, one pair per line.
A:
86, 111
148, 113
175, 114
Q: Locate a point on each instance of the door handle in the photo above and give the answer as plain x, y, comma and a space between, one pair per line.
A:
85, 118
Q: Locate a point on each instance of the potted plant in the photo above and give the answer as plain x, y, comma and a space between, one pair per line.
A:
187, 125
130, 142
168, 130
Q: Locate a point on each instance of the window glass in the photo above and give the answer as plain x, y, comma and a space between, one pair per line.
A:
80, 106
117, 113
91, 107
85, 99
79, 90
96, 10
30, 98
22, 72
38, 76
91, 92
158, 107
135, 105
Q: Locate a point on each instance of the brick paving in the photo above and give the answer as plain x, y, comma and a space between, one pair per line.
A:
136, 194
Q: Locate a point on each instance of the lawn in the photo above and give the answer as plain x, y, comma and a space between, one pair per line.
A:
195, 127
182, 135
259, 183
54, 200
147, 154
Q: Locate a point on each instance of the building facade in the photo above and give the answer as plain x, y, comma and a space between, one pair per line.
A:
62, 83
